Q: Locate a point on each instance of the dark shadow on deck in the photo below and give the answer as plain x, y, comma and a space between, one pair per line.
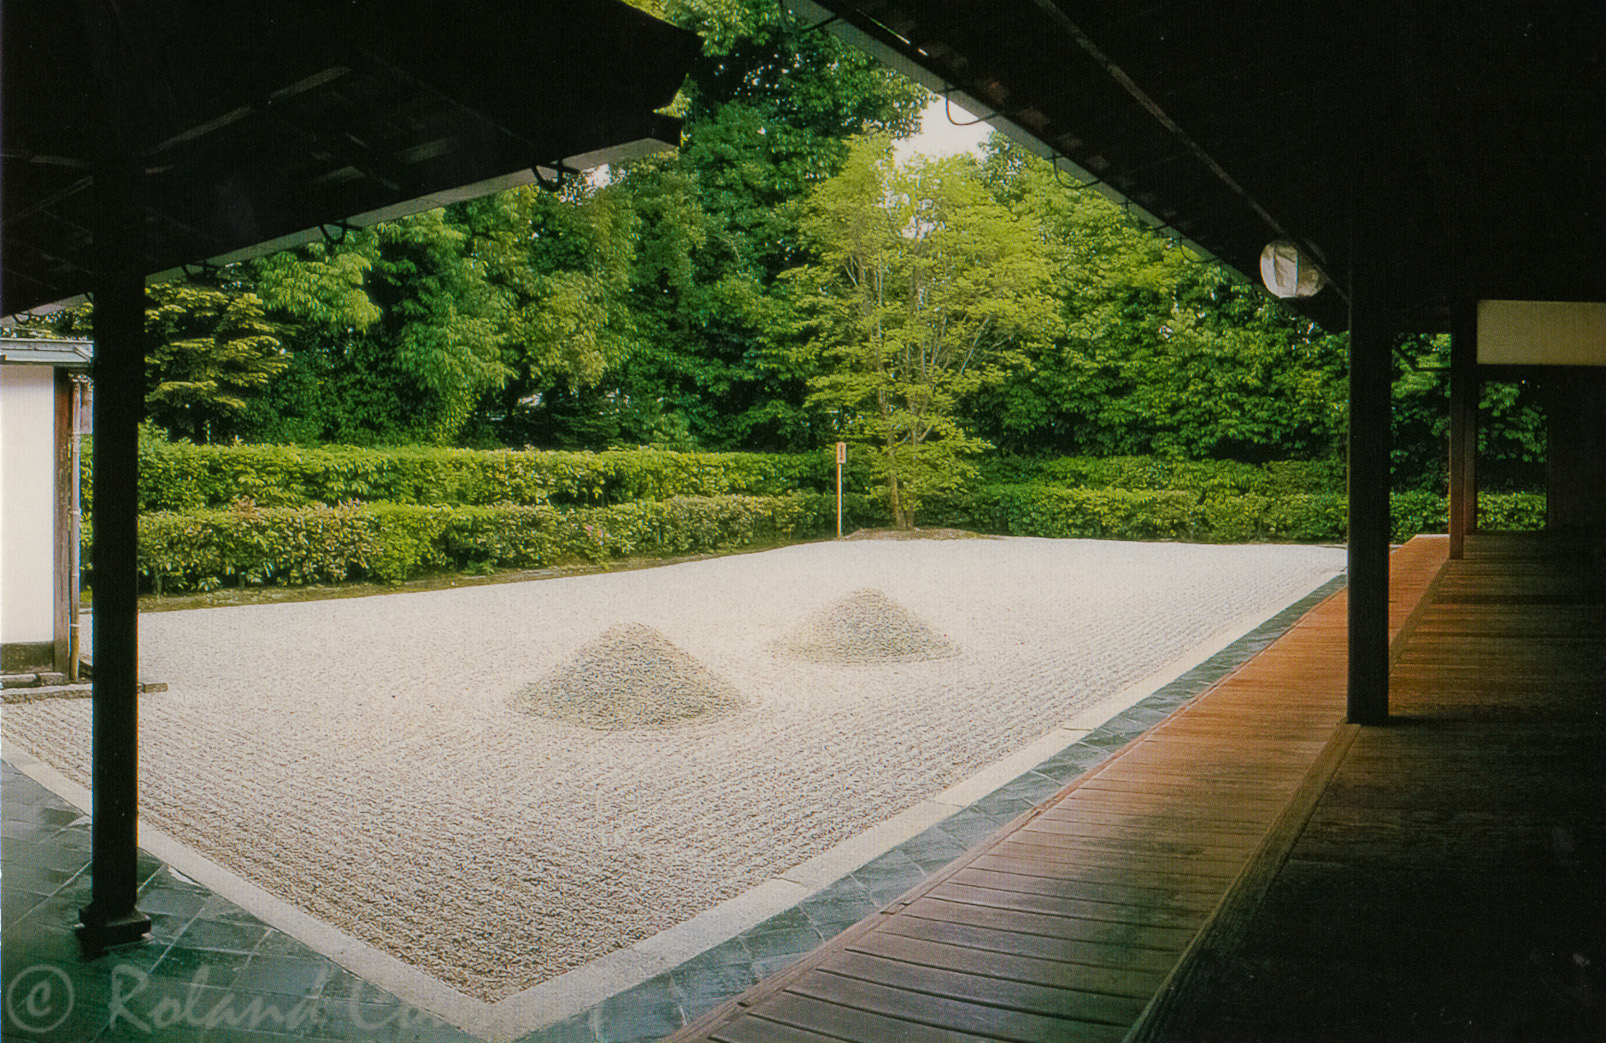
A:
1448, 884
1253, 868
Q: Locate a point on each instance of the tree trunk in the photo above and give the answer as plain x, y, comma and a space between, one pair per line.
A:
900, 519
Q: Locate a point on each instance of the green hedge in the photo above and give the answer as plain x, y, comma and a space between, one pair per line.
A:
207, 549
1155, 514
226, 515
1209, 478
246, 545
1042, 510
1429, 512
176, 476
1149, 514
1511, 512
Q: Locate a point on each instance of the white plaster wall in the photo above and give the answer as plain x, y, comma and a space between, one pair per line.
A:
27, 503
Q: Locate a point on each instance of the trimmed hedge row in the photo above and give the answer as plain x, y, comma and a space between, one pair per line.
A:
1210, 478
1511, 512
1168, 514
177, 476
204, 550
1297, 494
487, 510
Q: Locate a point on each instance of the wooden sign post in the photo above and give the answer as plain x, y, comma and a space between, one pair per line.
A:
841, 458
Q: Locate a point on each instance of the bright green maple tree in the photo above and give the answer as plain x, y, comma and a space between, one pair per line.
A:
925, 290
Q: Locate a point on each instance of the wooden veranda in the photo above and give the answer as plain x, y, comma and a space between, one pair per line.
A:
1255, 868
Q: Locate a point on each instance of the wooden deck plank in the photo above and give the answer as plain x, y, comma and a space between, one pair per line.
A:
1096, 876
1062, 904
1225, 847
1070, 928
1026, 845
1058, 838
1157, 763
1174, 786
1134, 964
1176, 901
1118, 800
1049, 1000
749, 1029
976, 1019
835, 1020
1161, 822
1012, 966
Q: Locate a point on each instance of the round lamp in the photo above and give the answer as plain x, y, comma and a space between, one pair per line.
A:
1288, 271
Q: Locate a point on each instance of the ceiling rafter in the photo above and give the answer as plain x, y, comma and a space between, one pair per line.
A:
244, 111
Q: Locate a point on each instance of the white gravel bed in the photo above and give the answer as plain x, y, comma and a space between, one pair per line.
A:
365, 760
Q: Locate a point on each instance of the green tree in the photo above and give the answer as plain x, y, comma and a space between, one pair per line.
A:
1158, 353
209, 349
1512, 444
560, 265
926, 290
768, 110
433, 327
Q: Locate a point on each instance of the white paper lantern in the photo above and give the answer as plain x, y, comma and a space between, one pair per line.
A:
1288, 271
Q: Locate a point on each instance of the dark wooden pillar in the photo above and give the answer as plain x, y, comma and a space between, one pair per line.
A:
1372, 331
1463, 424
112, 917
1370, 373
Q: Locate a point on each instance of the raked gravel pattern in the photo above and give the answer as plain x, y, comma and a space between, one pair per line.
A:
362, 758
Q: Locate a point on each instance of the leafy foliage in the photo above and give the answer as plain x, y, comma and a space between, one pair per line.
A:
769, 111
926, 291
209, 350
1157, 354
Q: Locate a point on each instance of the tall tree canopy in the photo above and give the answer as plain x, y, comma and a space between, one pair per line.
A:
926, 290
423, 328
769, 111
1157, 353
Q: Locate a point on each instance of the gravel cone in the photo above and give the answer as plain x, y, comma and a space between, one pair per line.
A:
866, 626
629, 677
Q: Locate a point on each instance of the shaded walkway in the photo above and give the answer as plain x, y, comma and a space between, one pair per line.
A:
1449, 883
1252, 869
1067, 924
210, 970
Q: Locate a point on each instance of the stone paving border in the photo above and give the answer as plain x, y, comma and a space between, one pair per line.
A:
655, 987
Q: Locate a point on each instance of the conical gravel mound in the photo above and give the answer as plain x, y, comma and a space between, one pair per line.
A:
629, 677
865, 626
